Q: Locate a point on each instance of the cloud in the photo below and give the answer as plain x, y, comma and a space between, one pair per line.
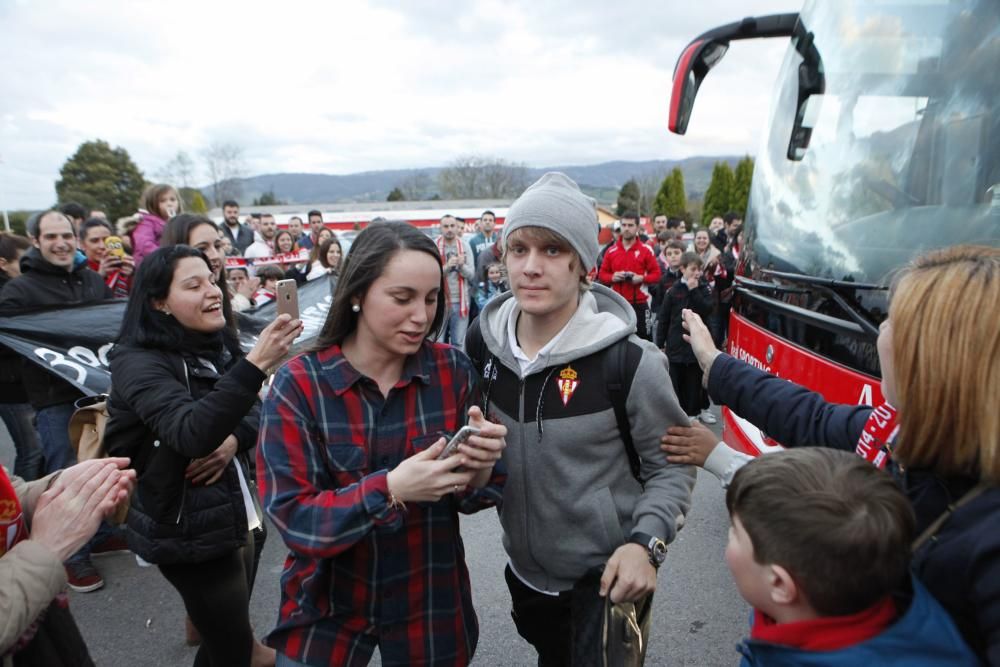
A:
347, 87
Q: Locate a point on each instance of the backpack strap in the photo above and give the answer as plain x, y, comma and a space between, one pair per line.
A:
618, 375
484, 361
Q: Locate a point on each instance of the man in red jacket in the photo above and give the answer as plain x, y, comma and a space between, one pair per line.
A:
629, 264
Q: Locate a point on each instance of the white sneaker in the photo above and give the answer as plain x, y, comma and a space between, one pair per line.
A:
707, 417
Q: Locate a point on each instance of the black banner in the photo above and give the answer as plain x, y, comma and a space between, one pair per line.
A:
74, 341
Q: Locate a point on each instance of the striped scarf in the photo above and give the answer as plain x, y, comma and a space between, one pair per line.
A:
463, 303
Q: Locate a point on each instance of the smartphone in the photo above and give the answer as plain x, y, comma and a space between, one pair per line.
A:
463, 435
287, 295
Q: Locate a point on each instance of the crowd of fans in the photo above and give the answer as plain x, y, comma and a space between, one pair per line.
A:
511, 333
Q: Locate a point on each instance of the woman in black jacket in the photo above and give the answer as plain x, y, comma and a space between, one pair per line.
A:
940, 357
182, 393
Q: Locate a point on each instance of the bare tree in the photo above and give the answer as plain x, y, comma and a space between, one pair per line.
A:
417, 186
225, 166
480, 177
180, 171
649, 184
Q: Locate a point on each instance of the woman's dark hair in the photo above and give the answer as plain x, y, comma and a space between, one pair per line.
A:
177, 232
314, 255
144, 325
283, 232
90, 223
324, 250
370, 253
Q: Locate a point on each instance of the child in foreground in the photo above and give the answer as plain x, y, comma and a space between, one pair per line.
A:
820, 547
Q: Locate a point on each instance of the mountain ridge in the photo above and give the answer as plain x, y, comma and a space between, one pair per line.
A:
602, 180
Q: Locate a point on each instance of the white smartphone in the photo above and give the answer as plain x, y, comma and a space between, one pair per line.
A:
463, 435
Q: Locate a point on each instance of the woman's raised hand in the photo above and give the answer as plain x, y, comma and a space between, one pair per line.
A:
274, 342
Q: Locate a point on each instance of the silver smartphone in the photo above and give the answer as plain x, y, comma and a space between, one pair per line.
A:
463, 435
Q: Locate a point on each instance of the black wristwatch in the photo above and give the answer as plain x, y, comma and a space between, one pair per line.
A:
657, 548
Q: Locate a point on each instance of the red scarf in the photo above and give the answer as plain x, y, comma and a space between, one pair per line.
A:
463, 304
875, 443
826, 634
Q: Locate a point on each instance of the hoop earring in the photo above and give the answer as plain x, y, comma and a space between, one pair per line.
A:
356, 308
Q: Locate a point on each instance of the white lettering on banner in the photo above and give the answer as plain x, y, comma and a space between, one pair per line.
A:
749, 358
866, 395
84, 356
57, 360
102, 353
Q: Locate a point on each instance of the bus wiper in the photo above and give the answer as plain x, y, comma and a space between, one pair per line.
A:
823, 282
829, 288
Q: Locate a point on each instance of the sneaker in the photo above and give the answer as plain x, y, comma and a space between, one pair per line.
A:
82, 576
707, 417
114, 544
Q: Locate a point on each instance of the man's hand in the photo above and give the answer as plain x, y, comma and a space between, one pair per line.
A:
628, 574
701, 342
637, 279
688, 444
208, 470
618, 276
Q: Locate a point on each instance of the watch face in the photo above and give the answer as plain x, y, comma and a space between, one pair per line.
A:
658, 549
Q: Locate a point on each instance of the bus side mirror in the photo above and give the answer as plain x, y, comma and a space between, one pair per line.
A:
707, 50
812, 81
693, 66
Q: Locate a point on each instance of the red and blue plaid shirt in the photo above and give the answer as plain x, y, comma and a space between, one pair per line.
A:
360, 572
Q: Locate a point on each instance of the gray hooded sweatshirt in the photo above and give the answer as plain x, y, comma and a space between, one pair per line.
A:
570, 499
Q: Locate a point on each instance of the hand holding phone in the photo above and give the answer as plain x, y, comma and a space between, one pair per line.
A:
459, 438
287, 295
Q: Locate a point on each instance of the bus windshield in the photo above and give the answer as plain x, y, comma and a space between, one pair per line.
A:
905, 147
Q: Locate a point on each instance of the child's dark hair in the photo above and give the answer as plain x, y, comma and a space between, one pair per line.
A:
269, 272
689, 258
841, 527
674, 244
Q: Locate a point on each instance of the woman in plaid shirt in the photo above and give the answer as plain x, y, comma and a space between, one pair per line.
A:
348, 469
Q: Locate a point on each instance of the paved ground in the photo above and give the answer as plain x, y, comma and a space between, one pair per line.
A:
136, 620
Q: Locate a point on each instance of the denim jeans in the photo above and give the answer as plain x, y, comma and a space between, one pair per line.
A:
28, 458
53, 430
454, 327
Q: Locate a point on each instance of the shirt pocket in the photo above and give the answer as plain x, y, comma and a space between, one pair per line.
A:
347, 463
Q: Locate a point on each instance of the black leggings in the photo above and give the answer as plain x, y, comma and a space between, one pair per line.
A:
216, 595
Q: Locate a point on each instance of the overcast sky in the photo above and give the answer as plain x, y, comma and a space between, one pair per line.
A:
340, 87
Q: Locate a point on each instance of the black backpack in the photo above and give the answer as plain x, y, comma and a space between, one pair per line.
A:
618, 376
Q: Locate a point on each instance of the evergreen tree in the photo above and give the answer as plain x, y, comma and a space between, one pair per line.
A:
194, 201
677, 205
102, 177
628, 197
396, 195
718, 194
663, 196
741, 185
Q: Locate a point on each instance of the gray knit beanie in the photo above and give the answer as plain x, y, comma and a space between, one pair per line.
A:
554, 202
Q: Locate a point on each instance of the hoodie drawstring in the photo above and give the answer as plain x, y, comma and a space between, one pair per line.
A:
541, 403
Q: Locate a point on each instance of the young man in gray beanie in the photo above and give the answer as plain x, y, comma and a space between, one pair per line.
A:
573, 503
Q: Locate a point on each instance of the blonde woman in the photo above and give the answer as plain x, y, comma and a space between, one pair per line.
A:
939, 351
